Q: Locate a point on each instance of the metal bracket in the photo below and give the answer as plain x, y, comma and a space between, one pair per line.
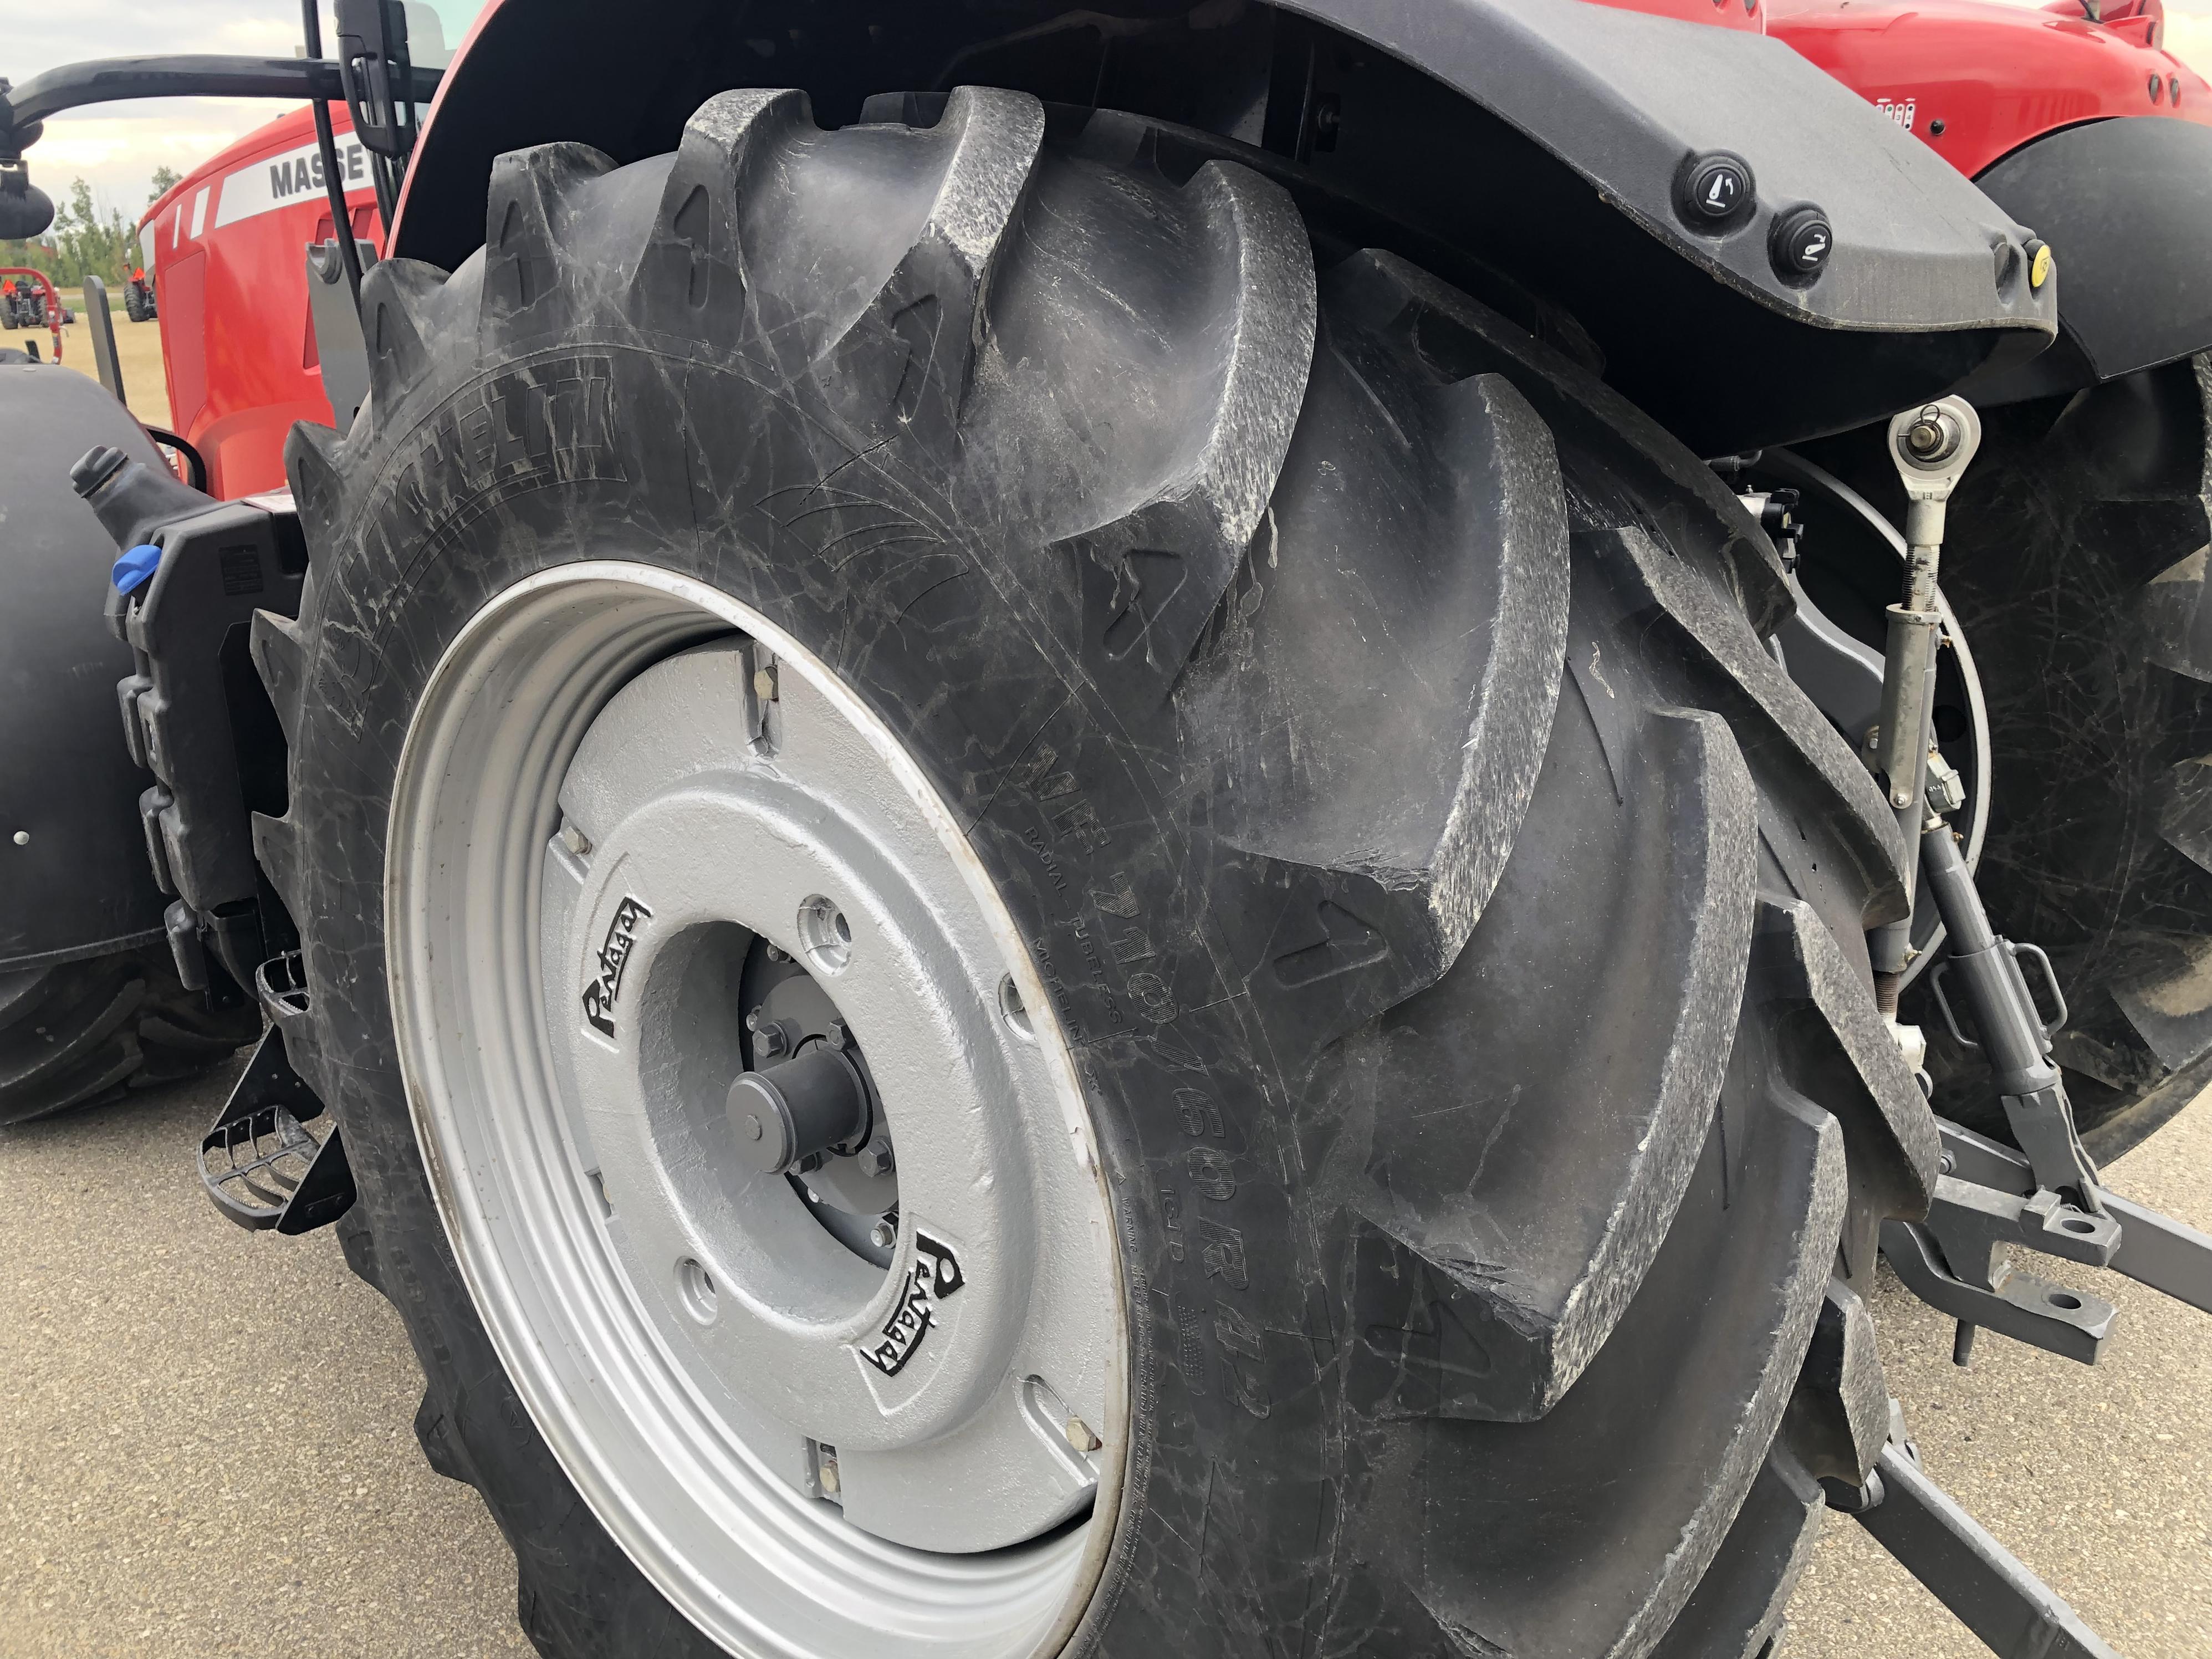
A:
341, 350
2151, 1248
2021, 1305
2012, 1611
1972, 1223
373, 63
100, 321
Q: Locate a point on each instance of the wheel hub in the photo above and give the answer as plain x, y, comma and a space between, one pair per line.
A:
777, 1197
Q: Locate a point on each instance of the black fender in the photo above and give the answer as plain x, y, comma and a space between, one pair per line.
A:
1559, 132
77, 884
2126, 206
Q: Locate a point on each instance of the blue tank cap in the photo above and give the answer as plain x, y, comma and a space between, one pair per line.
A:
137, 567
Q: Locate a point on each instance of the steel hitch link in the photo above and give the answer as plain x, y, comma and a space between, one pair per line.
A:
2013, 1612
2047, 1197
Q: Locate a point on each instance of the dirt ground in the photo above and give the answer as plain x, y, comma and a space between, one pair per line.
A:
137, 352
207, 1443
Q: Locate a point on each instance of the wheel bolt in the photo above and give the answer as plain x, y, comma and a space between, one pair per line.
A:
876, 1157
883, 1235
772, 1038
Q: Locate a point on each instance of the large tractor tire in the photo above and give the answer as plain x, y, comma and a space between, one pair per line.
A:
86, 1033
1265, 780
2074, 559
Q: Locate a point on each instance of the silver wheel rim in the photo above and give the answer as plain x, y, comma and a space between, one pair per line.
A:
622, 792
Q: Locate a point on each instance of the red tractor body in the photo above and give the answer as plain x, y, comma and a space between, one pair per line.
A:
227, 246
1977, 81
1974, 81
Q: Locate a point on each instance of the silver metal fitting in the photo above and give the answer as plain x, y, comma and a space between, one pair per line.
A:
1932, 446
1931, 438
1947, 790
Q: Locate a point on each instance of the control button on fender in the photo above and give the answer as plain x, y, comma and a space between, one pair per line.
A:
1718, 191
1802, 243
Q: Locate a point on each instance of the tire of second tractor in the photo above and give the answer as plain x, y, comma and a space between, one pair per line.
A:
2074, 558
85, 1033
1461, 917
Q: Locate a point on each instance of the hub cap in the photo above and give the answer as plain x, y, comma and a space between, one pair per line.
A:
752, 1130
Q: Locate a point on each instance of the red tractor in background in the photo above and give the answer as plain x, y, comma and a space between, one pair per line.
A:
28, 300
1119, 830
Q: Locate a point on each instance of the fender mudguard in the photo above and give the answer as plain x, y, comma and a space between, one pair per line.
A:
77, 884
2126, 206
1551, 137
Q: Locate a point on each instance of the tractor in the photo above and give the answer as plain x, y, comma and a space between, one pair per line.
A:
23, 302
1170, 828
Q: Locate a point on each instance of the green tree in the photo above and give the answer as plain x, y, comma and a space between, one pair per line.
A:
36, 255
83, 241
166, 179
86, 242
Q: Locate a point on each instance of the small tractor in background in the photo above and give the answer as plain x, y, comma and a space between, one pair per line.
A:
27, 299
139, 301
1152, 827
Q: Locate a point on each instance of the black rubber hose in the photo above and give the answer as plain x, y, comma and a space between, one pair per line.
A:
327, 142
387, 189
194, 462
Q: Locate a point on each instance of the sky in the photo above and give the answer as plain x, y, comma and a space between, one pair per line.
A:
116, 147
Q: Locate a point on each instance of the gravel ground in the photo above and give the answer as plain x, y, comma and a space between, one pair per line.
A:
207, 1439
207, 1445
